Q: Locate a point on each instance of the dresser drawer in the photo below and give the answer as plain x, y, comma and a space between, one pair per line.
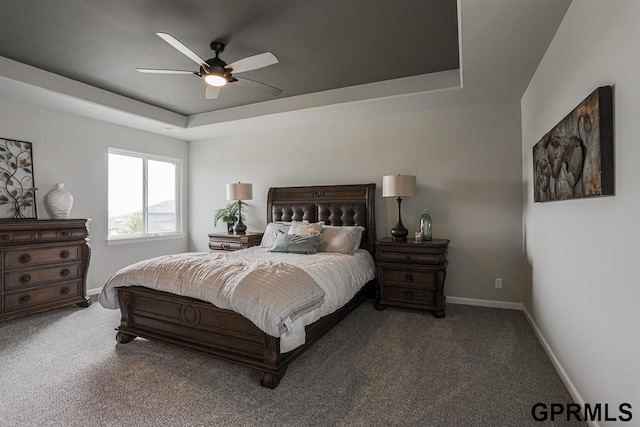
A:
409, 277
24, 258
26, 278
411, 258
225, 246
17, 301
16, 237
63, 234
408, 295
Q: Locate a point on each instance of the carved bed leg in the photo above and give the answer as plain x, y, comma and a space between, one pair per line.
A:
86, 303
378, 293
124, 338
270, 380
272, 359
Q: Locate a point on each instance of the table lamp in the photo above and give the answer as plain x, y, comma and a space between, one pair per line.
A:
399, 186
239, 191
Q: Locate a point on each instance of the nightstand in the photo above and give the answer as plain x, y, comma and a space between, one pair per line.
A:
411, 274
234, 242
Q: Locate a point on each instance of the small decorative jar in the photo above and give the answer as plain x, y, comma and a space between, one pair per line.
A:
59, 202
425, 226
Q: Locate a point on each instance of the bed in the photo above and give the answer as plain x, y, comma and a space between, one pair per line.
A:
225, 334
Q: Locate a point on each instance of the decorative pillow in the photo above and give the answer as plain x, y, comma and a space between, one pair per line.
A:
305, 229
344, 240
269, 236
296, 244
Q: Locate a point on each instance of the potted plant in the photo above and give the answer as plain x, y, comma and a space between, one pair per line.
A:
228, 215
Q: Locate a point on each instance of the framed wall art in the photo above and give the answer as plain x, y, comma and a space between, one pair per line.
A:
17, 188
575, 158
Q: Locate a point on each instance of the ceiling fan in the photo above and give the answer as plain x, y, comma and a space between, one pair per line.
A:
217, 73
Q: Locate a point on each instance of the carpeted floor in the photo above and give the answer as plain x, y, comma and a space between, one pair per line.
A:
476, 367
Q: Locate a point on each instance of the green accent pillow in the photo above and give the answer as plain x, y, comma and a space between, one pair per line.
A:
296, 244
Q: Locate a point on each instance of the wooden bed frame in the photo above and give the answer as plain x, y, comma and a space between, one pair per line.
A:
227, 335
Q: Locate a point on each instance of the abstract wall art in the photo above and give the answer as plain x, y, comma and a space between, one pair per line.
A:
575, 158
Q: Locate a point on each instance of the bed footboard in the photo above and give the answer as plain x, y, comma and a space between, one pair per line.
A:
200, 326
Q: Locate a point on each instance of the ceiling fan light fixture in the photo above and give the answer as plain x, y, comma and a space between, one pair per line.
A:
215, 80
217, 73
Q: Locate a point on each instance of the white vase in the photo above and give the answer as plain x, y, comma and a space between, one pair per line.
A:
59, 202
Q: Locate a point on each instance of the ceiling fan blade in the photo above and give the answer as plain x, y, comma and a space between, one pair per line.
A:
253, 62
212, 92
252, 84
183, 49
161, 71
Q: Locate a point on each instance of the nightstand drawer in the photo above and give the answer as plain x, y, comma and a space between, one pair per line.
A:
411, 258
409, 277
225, 246
408, 295
234, 242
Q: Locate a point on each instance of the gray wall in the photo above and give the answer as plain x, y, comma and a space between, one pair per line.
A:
73, 150
583, 288
467, 163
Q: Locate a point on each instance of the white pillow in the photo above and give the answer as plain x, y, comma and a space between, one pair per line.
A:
344, 240
302, 228
269, 236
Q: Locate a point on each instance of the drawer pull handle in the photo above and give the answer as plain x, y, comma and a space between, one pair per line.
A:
225, 246
24, 258
5, 237
64, 291
407, 295
408, 258
64, 254
408, 277
24, 299
65, 233
64, 272
24, 279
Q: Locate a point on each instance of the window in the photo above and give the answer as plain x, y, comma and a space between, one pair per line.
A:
144, 195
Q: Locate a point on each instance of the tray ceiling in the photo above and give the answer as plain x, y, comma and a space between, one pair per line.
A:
321, 45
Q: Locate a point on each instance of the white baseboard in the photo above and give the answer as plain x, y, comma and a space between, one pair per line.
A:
485, 303
573, 391
94, 291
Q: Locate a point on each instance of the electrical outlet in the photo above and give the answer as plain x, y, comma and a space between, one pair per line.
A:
498, 283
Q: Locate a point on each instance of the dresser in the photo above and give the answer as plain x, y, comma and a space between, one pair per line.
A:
43, 265
411, 274
234, 242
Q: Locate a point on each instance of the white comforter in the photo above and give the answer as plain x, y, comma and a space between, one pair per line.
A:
340, 277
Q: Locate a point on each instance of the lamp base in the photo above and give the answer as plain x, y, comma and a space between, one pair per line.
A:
399, 233
239, 228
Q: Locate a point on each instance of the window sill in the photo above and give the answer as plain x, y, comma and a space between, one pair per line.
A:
143, 239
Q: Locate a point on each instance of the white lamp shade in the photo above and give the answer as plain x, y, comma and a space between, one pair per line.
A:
239, 191
398, 186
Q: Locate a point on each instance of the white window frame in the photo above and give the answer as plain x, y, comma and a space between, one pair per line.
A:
146, 236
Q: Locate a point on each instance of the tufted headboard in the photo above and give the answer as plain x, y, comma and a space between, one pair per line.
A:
333, 204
